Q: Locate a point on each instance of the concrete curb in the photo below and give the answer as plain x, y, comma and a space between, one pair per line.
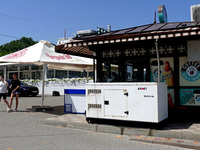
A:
167, 141
175, 134
97, 127
189, 140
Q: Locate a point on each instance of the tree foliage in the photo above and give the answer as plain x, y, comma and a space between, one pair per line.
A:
16, 45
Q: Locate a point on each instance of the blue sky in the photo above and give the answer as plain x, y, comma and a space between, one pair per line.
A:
80, 15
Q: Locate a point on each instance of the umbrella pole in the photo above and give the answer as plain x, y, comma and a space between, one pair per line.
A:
43, 73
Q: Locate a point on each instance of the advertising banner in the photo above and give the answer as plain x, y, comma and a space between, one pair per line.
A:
171, 96
190, 97
189, 72
166, 70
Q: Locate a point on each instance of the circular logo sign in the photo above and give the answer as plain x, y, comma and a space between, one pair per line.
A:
162, 14
197, 98
191, 71
155, 73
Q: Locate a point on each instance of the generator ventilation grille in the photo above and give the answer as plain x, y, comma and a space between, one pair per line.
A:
98, 106
94, 91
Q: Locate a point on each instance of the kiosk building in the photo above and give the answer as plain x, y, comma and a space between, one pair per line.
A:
129, 55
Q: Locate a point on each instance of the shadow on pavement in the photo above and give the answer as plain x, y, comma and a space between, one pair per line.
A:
167, 124
131, 124
57, 110
175, 124
27, 110
23, 111
181, 119
29, 96
178, 119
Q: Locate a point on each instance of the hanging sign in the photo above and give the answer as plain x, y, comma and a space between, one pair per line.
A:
162, 14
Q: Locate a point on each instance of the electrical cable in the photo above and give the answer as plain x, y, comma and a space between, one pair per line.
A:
9, 36
33, 21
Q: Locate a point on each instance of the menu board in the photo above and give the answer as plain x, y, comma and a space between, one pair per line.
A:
190, 97
166, 70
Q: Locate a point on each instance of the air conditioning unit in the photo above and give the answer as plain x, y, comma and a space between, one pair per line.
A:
83, 33
195, 12
86, 32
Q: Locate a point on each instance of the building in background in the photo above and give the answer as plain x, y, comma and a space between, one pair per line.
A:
35, 72
64, 40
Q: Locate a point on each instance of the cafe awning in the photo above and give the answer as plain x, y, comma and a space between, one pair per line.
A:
43, 53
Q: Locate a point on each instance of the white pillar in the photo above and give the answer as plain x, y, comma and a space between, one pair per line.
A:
30, 72
54, 73
18, 72
45, 71
4, 72
67, 73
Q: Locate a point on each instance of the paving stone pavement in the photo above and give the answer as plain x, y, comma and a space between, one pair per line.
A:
176, 133
179, 126
20, 131
172, 132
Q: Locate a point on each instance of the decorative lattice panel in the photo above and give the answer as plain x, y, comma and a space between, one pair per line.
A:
182, 49
135, 52
152, 50
111, 53
162, 50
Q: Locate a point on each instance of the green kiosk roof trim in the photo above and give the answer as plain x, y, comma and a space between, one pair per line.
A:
139, 33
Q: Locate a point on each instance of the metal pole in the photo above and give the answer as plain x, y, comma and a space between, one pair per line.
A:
94, 71
43, 78
158, 59
87, 76
94, 60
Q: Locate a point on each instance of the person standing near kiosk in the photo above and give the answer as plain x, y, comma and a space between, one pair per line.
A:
15, 90
3, 91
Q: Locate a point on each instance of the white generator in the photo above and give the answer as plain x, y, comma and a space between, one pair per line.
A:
142, 102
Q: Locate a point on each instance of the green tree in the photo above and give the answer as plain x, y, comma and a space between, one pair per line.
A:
16, 45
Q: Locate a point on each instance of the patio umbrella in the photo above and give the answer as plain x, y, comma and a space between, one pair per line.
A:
80, 68
43, 53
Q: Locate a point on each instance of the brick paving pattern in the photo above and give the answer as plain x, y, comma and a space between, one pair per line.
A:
20, 131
